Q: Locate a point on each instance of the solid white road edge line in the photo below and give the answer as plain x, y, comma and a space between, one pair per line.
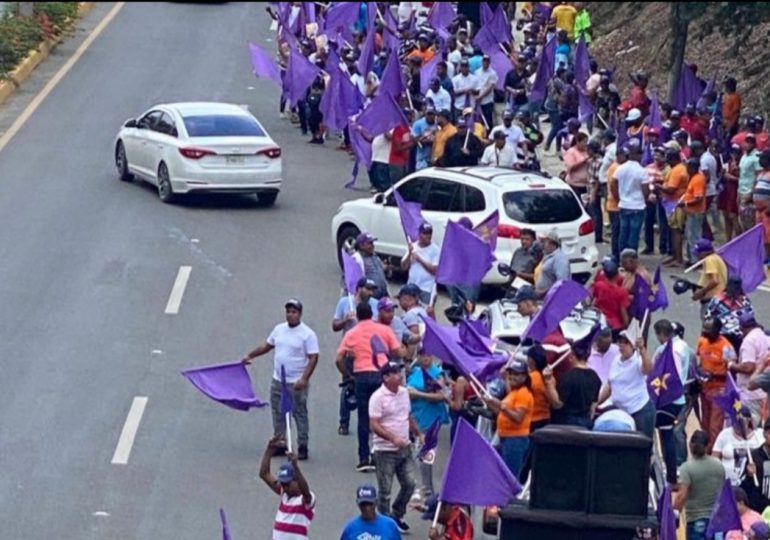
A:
177, 291
127, 436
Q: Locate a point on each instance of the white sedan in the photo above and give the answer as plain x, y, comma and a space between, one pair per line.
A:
200, 147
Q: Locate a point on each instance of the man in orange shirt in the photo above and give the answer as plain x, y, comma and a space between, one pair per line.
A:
423, 50
714, 353
621, 156
673, 190
731, 107
369, 343
694, 204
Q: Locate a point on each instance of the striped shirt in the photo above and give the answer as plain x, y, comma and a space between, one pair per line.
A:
292, 521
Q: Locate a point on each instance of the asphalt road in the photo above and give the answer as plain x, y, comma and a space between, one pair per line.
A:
87, 266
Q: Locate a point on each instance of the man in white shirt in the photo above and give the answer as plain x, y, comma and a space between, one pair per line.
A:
465, 86
487, 81
499, 153
513, 134
439, 96
421, 260
296, 351
632, 192
379, 174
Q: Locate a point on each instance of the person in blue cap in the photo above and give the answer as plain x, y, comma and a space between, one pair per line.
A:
370, 523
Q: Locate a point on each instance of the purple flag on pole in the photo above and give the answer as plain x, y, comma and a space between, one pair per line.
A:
647, 155
342, 16
586, 109
263, 65
663, 382
363, 152
560, 300
428, 71
411, 217
499, 25
688, 90
471, 340
465, 258
709, 89
225, 527
352, 271
655, 119
669, 206
487, 229
666, 518
501, 64
642, 297
475, 473
340, 100
392, 81
545, 71
389, 34
381, 115
300, 74
582, 63
441, 15
287, 398
745, 257
366, 59
486, 40
431, 434
730, 400
228, 384
725, 516
485, 13
660, 300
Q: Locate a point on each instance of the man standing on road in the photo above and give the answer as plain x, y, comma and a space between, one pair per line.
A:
369, 343
555, 264
297, 509
421, 260
371, 263
391, 422
296, 351
369, 524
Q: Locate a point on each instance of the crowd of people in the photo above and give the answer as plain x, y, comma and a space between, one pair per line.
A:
644, 169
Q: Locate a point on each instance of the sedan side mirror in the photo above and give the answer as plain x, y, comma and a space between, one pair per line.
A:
379, 198
130, 123
504, 269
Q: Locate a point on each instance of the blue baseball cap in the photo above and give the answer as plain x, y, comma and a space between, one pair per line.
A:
366, 494
286, 473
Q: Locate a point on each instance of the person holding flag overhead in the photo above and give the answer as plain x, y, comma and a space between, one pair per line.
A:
421, 260
296, 351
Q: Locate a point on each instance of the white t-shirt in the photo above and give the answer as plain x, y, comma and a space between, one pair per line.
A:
628, 384
708, 164
292, 347
381, 149
630, 176
735, 453
485, 80
441, 99
494, 157
418, 275
462, 82
514, 136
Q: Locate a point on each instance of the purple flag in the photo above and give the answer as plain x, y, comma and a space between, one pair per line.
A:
366, 59
487, 229
582, 63
341, 99
471, 340
300, 74
228, 384
431, 434
263, 65
287, 398
499, 25
586, 109
661, 296
411, 217
392, 81
745, 257
622, 133
475, 473
465, 258
389, 33
486, 40
708, 90
352, 271
363, 152
715, 126
501, 64
428, 71
663, 382
381, 115
560, 300
341, 17
688, 90
545, 71
642, 298
647, 155
481, 328
485, 13
669, 206
441, 15
725, 516
730, 401
225, 527
655, 120
666, 518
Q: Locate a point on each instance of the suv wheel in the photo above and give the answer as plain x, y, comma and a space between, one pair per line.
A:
346, 238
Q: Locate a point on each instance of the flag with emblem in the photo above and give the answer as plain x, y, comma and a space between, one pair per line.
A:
663, 382
730, 401
487, 229
725, 516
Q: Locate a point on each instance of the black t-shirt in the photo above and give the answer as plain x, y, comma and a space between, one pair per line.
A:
516, 81
578, 389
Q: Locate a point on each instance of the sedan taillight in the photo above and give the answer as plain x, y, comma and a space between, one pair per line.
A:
272, 153
587, 227
196, 153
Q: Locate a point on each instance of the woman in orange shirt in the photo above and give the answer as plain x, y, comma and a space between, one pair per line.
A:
514, 415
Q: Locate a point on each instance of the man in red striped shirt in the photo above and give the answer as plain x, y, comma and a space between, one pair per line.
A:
297, 508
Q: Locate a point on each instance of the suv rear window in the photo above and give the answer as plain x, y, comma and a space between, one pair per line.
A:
217, 125
542, 206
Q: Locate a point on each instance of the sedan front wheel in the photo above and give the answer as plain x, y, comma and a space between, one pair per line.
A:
165, 190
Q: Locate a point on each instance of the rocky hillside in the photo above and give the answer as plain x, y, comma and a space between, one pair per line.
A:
632, 35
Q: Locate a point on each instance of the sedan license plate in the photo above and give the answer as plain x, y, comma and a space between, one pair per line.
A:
235, 160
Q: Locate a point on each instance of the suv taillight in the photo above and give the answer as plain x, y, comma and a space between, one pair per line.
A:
508, 231
196, 153
272, 153
587, 227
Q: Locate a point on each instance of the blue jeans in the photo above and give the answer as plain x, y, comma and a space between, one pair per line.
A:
366, 384
696, 530
665, 420
655, 212
630, 227
514, 449
644, 419
615, 234
693, 231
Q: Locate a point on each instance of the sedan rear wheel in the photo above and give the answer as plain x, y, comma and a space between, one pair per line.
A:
122, 163
165, 190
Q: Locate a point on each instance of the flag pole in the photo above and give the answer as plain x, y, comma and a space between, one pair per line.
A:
435, 515
561, 359
467, 135
288, 431
694, 266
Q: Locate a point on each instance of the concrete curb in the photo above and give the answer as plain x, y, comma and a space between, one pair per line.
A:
34, 58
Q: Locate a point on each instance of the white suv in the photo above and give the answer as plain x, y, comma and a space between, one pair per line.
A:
524, 200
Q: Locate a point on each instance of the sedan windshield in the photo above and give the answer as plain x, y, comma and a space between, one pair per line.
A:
218, 125
542, 206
